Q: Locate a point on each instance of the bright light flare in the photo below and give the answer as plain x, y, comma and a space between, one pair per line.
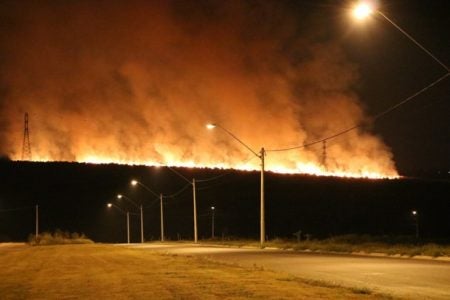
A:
362, 11
210, 126
109, 204
414, 212
119, 196
134, 182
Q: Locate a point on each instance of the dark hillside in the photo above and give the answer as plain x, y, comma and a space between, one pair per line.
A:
73, 197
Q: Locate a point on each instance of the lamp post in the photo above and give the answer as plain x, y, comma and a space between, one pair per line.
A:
160, 196
212, 221
161, 216
415, 216
194, 200
364, 9
120, 196
261, 156
37, 221
128, 218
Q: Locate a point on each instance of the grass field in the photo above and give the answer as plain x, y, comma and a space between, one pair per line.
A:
109, 272
350, 244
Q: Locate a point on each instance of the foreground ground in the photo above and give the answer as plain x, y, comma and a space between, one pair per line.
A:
401, 277
111, 272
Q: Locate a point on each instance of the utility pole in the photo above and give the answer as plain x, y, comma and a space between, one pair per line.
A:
162, 216
37, 221
128, 227
194, 198
415, 216
142, 226
324, 154
262, 219
212, 221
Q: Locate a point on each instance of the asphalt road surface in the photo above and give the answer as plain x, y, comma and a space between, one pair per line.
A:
399, 277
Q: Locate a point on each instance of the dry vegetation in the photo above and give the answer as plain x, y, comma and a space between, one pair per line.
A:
58, 238
111, 272
352, 244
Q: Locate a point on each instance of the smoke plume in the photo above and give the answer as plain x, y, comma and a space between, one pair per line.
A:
105, 81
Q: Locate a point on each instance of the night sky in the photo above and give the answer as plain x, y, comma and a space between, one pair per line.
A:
393, 68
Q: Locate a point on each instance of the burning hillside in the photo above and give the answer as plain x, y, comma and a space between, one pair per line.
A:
135, 83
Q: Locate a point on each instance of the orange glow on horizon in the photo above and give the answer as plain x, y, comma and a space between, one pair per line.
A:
253, 165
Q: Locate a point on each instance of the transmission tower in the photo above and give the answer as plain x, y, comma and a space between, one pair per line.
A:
26, 147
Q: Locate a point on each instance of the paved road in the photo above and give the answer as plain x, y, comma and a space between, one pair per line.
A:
405, 278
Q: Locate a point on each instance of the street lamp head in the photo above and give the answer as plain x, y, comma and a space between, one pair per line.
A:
134, 182
109, 204
211, 126
362, 10
213, 208
414, 212
119, 196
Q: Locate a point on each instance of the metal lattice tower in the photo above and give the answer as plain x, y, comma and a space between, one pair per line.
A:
26, 146
324, 154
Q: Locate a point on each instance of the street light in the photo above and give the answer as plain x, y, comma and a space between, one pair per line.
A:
128, 219
415, 216
160, 196
37, 220
364, 9
261, 156
194, 199
212, 221
120, 196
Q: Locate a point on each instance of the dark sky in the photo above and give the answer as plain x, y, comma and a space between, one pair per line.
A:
58, 57
393, 68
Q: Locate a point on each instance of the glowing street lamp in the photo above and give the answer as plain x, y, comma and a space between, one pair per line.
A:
128, 219
364, 9
120, 196
261, 156
160, 196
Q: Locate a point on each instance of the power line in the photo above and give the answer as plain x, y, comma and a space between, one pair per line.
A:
178, 192
383, 113
17, 208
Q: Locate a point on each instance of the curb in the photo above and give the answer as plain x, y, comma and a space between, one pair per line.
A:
375, 254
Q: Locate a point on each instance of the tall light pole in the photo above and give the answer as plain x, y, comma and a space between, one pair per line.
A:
37, 221
261, 156
364, 9
194, 204
212, 221
127, 213
160, 196
161, 216
194, 200
415, 216
120, 196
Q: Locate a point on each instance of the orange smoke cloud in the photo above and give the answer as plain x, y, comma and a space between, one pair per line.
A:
136, 83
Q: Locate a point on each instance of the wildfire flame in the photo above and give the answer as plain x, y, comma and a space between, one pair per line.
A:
301, 168
131, 83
